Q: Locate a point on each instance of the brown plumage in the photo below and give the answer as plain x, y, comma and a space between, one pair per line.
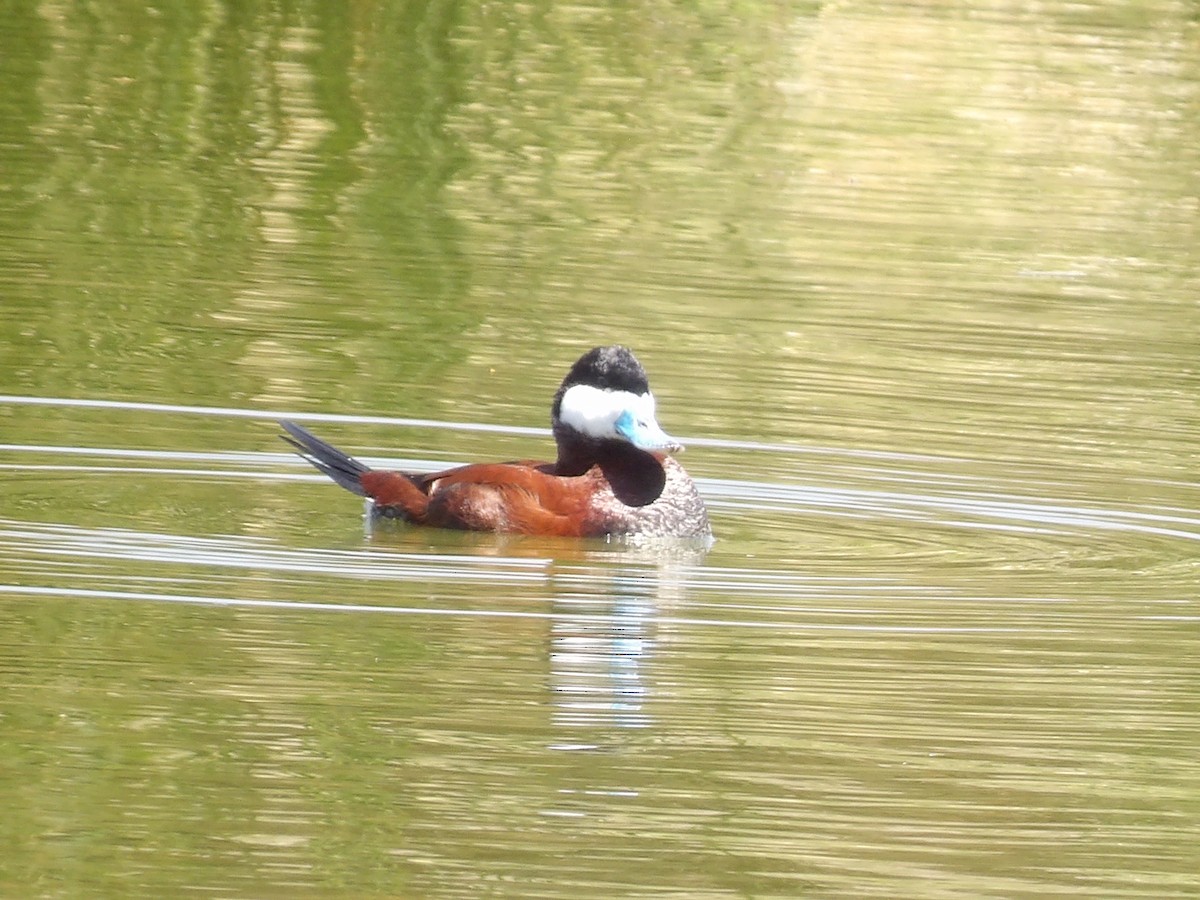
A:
611, 476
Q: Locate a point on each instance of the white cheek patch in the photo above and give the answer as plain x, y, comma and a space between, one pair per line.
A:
594, 412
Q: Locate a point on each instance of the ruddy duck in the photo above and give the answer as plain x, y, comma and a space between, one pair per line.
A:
613, 475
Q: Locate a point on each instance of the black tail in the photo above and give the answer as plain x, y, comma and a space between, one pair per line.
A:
343, 469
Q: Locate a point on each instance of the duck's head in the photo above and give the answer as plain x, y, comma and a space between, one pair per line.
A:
606, 398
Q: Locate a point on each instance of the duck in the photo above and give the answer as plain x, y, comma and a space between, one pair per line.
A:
614, 475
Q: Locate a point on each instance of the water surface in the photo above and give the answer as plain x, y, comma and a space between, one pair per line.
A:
917, 287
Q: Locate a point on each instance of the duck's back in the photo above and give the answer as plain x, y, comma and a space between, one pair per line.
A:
655, 500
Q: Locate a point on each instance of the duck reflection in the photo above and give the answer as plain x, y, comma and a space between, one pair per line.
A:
606, 603
602, 645
597, 666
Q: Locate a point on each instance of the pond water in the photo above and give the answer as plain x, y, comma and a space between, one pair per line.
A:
917, 286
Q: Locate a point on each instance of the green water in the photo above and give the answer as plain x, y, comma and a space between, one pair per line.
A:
916, 283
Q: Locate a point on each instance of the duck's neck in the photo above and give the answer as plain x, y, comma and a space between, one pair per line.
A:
578, 453
634, 477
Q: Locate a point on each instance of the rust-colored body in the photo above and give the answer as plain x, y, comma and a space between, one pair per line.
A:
611, 476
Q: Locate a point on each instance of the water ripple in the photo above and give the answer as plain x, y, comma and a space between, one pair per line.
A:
942, 505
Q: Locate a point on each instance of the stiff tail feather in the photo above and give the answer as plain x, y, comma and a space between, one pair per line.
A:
343, 469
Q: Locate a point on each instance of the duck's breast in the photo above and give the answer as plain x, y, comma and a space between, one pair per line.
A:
658, 501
